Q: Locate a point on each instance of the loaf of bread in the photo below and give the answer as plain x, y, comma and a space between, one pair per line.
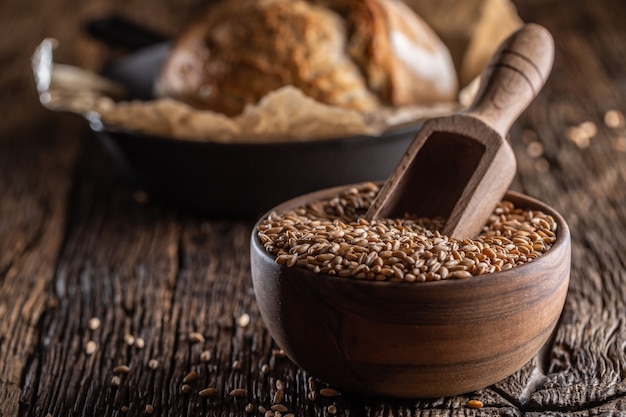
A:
357, 54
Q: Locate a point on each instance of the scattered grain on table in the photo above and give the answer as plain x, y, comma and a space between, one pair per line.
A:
278, 353
534, 149
195, 337
589, 128
205, 356
93, 323
279, 395
208, 392
614, 119
91, 347
243, 320
121, 369
190, 376
582, 134
329, 392
141, 197
237, 392
474, 403
140, 343
115, 381
129, 339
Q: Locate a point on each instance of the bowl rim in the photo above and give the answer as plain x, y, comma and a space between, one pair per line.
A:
563, 239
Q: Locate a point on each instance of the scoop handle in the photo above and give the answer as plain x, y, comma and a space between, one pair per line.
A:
513, 77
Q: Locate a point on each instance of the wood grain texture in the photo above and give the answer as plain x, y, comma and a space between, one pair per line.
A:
584, 367
74, 244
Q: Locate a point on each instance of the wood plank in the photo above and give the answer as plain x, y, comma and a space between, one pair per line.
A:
31, 233
582, 369
35, 180
38, 150
75, 245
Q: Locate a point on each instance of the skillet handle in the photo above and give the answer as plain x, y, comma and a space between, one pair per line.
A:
513, 77
119, 31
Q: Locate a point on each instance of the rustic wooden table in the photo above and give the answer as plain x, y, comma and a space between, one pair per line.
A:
76, 245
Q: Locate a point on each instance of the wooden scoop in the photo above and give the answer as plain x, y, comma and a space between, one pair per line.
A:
460, 166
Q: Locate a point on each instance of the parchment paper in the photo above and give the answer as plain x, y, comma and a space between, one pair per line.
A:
283, 115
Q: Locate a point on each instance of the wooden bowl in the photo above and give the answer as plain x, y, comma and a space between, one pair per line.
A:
413, 340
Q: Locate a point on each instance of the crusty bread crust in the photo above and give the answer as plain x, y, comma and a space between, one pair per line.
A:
340, 52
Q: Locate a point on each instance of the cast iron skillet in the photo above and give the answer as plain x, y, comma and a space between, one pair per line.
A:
242, 180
